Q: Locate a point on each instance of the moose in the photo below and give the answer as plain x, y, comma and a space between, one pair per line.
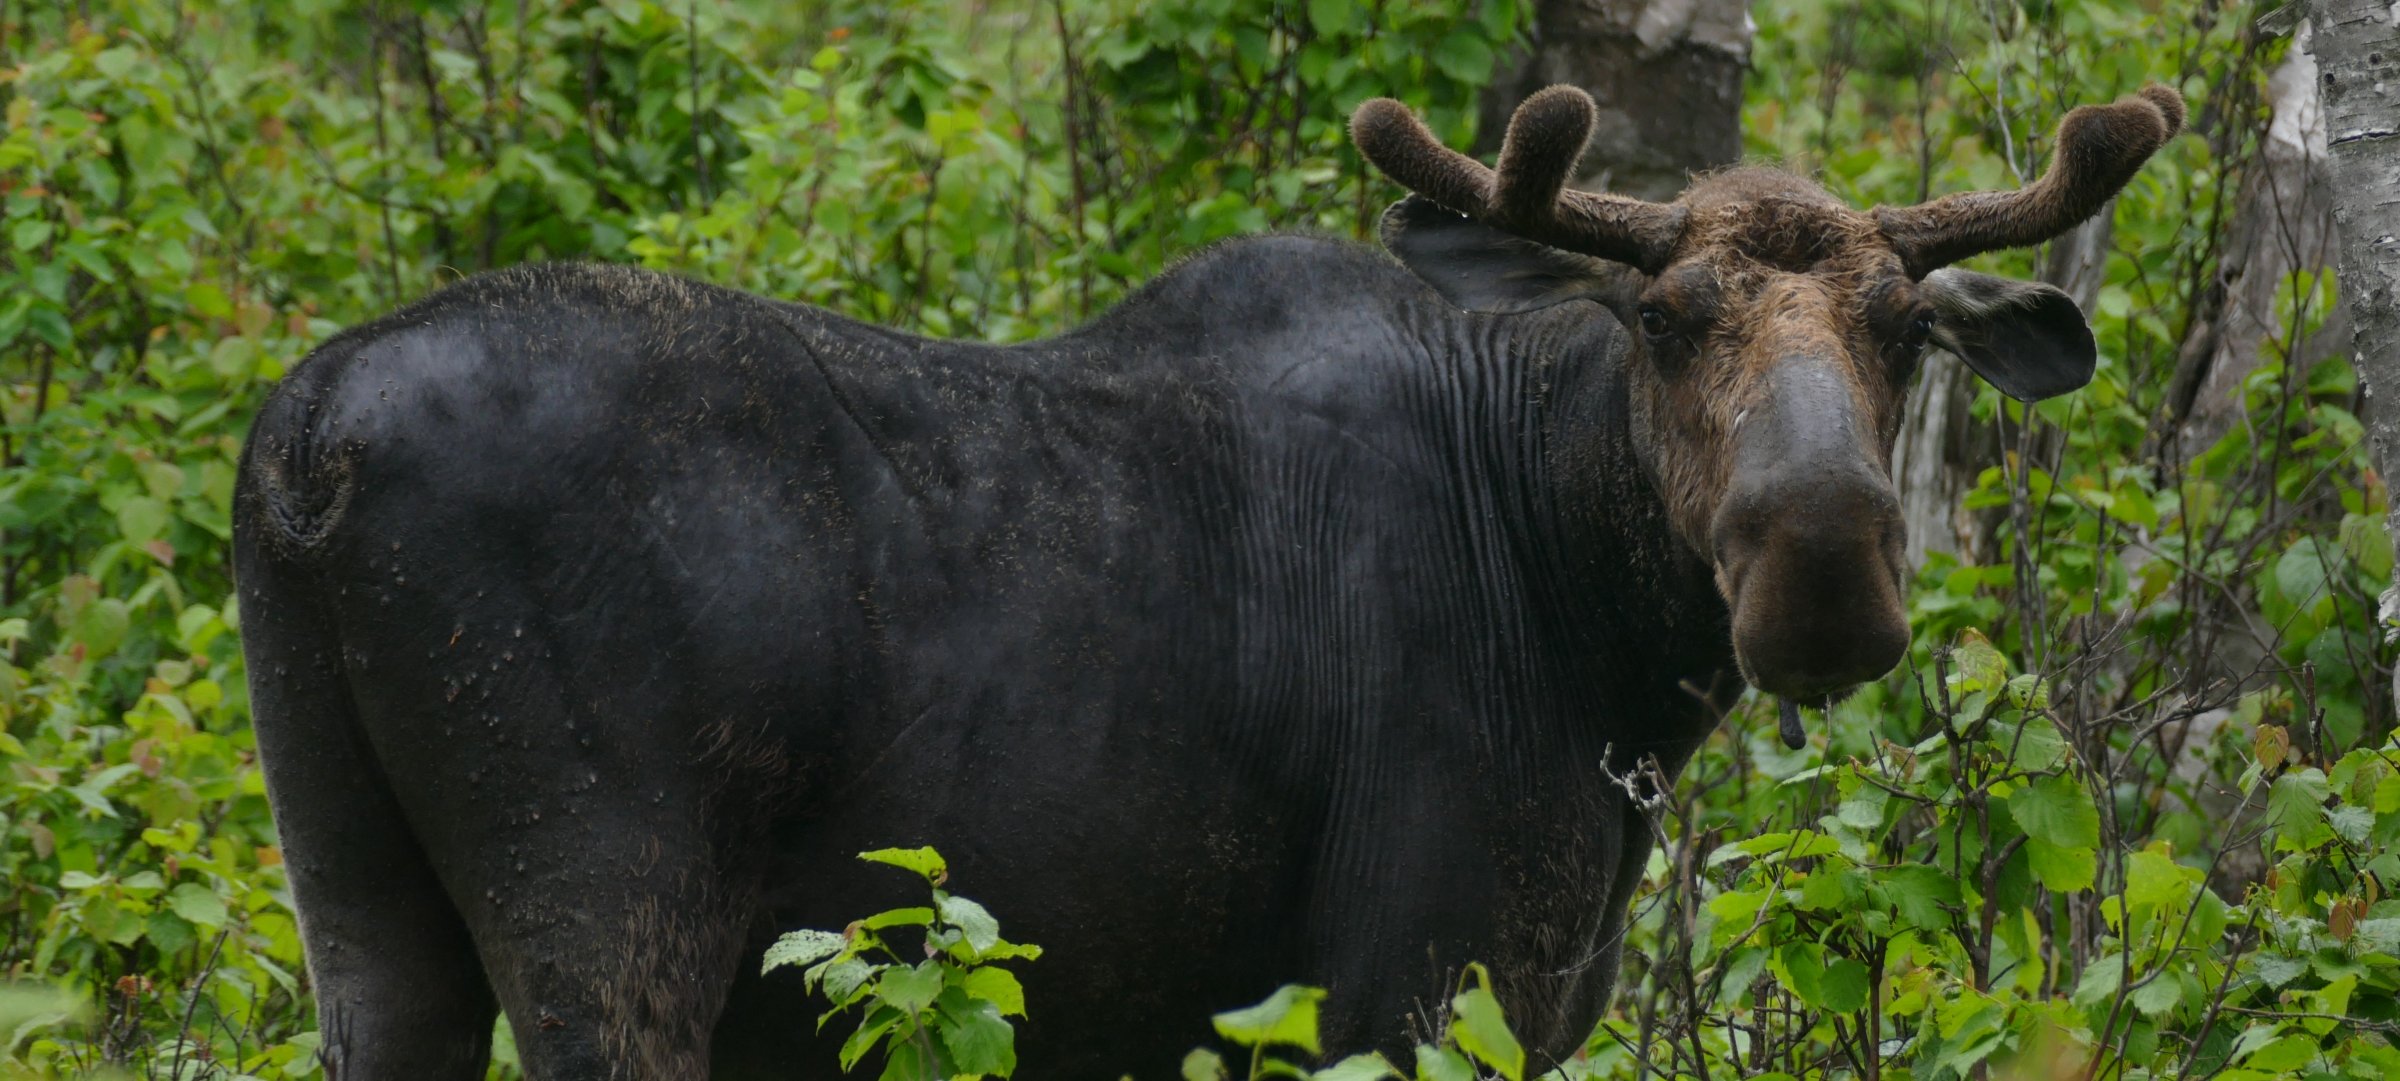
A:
1298, 620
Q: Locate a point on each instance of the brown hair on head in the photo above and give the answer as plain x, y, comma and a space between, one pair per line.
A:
1528, 196
2100, 147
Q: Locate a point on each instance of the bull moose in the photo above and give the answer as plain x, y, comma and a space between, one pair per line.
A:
1297, 620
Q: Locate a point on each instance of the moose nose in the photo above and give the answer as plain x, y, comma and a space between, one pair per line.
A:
1811, 566
1808, 550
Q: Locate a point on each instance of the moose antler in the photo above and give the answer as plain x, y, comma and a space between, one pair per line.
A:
2100, 147
1528, 196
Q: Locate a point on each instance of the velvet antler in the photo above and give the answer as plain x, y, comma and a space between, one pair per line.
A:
1528, 196
2099, 148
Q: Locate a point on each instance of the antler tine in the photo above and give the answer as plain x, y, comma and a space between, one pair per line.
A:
1528, 196
1405, 149
1545, 139
2100, 147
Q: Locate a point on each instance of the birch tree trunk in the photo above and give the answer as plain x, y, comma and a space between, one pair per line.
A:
1667, 75
2284, 224
2358, 46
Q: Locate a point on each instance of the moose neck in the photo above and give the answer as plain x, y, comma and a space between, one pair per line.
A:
1627, 600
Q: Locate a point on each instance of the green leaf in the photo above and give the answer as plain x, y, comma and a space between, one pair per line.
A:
1836, 984
997, 986
1464, 56
909, 1062
981, 930
924, 861
1203, 1065
2155, 880
1481, 1028
898, 917
1357, 1068
844, 978
878, 1021
101, 626
910, 989
1918, 893
2285, 1055
1330, 17
2056, 809
2276, 969
1443, 1064
801, 948
199, 904
169, 932
2158, 996
1975, 665
1289, 1016
2296, 808
979, 1042
2063, 870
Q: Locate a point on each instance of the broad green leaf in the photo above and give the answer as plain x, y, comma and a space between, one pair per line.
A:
1465, 57
898, 917
2063, 870
1203, 1065
2056, 809
981, 930
978, 1040
199, 904
1837, 984
1443, 1064
910, 989
1975, 665
924, 861
1357, 1068
909, 1062
870, 1030
2296, 807
1481, 1028
2159, 995
102, 626
1289, 1016
801, 948
1918, 894
997, 986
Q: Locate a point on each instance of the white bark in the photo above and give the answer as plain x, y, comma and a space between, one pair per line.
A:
2358, 44
2284, 224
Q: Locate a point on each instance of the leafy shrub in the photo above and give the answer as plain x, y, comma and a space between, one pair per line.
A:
2128, 810
945, 1016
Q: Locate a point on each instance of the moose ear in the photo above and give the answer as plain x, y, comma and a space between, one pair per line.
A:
2026, 338
1482, 269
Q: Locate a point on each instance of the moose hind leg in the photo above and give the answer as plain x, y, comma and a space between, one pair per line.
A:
400, 991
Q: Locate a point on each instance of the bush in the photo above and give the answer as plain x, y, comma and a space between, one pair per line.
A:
2128, 810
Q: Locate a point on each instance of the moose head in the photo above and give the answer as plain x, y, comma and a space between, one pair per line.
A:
1774, 331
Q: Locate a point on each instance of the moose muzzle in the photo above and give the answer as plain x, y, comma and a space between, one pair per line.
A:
1808, 542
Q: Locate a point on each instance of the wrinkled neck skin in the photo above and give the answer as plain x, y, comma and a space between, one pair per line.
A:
1634, 600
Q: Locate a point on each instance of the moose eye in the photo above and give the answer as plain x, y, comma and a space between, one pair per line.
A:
1654, 321
1920, 328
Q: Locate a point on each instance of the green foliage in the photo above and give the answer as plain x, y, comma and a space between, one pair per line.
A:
945, 1016
1475, 1039
2130, 807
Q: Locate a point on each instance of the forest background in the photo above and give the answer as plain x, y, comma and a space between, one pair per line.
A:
2129, 810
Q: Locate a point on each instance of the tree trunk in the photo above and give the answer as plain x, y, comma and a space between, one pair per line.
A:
2358, 45
1667, 75
2284, 224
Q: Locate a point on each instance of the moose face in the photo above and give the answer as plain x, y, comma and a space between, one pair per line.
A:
1774, 331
